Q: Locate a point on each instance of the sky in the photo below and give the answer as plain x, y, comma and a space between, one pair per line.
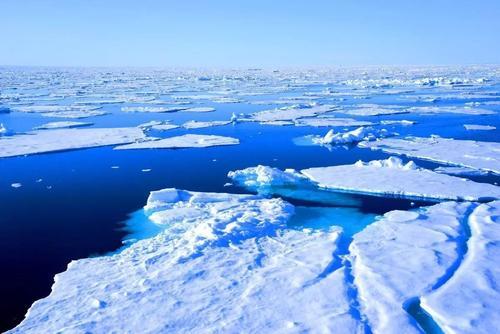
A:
263, 33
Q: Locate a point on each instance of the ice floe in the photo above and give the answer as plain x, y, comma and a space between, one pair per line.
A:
348, 137
75, 114
66, 139
199, 109
450, 110
219, 262
184, 141
478, 127
290, 113
62, 125
468, 301
199, 124
330, 121
152, 109
468, 153
392, 177
374, 110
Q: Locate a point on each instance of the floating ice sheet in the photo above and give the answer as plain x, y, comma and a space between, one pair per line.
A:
62, 124
66, 139
468, 153
184, 141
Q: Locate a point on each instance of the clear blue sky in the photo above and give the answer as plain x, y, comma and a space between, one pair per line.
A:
265, 33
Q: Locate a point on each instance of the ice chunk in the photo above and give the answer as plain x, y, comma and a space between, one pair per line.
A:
468, 301
460, 171
152, 109
199, 109
403, 256
62, 124
330, 121
75, 114
353, 136
451, 110
198, 125
468, 153
50, 140
220, 260
184, 141
392, 177
290, 113
374, 110
478, 127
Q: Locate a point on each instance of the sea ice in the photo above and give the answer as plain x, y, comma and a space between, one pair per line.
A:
374, 110
392, 177
199, 109
479, 127
290, 113
330, 121
66, 139
468, 153
468, 301
348, 137
184, 141
152, 109
198, 124
61, 125
451, 110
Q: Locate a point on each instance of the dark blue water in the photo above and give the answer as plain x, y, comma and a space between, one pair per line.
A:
73, 204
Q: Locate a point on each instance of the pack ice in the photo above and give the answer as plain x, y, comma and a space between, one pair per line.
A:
184, 141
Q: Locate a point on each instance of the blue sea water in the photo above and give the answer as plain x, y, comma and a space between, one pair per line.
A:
73, 205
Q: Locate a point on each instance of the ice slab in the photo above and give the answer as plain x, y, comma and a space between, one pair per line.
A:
374, 110
460, 171
468, 153
330, 121
184, 141
479, 127
61, 125
152, 109
199, 125
348, 137
51, 140
468, 301
403, 256
451, 110
290, 113
392, 177
75, 114
199, 109
219, 262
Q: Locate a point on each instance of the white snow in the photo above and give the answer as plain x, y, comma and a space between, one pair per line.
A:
479, 127
392, 177
469, 301
62, 124
221, 264
460, 171
66, 139
75, 114
184, 141
199, 125
397, 122
290, 113
468, 153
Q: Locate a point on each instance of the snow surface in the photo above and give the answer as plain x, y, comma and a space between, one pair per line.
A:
152, 109
392, 177
62, 124
451, 110
374, 110
468, 153
469, 301
184, 141
199, 109
50, 140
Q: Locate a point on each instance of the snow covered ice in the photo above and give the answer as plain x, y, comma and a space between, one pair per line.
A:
184, 141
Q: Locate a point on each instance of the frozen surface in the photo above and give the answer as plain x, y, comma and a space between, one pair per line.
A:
199, 109
290, 113
403, 256
468, 153
478, 127
184, 141
50, 140
152, 109
348, 137
374, 110
62, 124
451, 110
392, 177
220, 263
201, 124
330, 121
469, 301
